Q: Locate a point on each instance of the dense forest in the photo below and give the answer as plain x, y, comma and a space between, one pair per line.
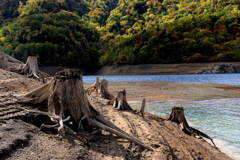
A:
91, 33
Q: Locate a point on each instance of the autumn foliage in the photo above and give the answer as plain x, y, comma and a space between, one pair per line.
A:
77, 32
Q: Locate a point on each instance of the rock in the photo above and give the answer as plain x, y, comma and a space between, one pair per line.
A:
219, 68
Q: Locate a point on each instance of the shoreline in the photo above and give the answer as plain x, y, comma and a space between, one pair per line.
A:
127, 69
172, 101
141, 69
199, 92
157, 69
160, 91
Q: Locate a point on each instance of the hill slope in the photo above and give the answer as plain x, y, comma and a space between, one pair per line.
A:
91, 33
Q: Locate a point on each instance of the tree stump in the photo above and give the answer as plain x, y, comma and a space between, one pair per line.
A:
120, 102
101, 89
31, 68
66, 99
3, 63
143, 107
177, 116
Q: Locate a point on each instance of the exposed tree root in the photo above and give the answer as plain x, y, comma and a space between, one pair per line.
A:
54, 118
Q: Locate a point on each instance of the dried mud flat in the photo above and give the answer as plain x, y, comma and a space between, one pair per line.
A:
21, 139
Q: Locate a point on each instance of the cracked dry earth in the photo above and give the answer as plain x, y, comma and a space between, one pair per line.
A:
21, 139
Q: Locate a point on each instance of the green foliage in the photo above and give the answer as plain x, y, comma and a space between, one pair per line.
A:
57, 36
171, 31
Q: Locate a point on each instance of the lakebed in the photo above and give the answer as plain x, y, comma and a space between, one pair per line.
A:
21, 139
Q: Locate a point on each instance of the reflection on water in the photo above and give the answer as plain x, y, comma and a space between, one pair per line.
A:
219, 118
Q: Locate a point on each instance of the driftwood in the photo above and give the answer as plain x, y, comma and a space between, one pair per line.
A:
3, 63
55, 118
65, 97
177, 116
101, 89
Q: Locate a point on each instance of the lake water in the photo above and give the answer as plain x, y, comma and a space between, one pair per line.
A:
219, 118
203, 78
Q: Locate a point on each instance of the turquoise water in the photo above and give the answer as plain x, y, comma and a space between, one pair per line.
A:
218, 118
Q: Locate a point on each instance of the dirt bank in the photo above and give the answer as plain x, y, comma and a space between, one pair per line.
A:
157, 69
21, 139
125, 69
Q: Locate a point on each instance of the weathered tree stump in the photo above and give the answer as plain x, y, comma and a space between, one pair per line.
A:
120, 101
66, 99
93, 87
101, 89
177, 116
31, 68
3, 63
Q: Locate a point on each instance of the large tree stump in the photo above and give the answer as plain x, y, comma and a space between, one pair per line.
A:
120, 101
3, 63
101, 89
177, 116
66, 99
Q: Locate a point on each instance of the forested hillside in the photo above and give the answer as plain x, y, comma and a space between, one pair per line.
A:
89, 33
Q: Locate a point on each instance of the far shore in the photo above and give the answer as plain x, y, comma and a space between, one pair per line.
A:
141, 69
157, 69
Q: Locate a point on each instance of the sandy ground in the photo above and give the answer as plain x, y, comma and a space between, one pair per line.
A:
20, 137
173, 91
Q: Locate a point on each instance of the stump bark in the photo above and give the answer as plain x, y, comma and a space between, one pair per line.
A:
177, 116
120, 101
101, 89
3, 64
66, 99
